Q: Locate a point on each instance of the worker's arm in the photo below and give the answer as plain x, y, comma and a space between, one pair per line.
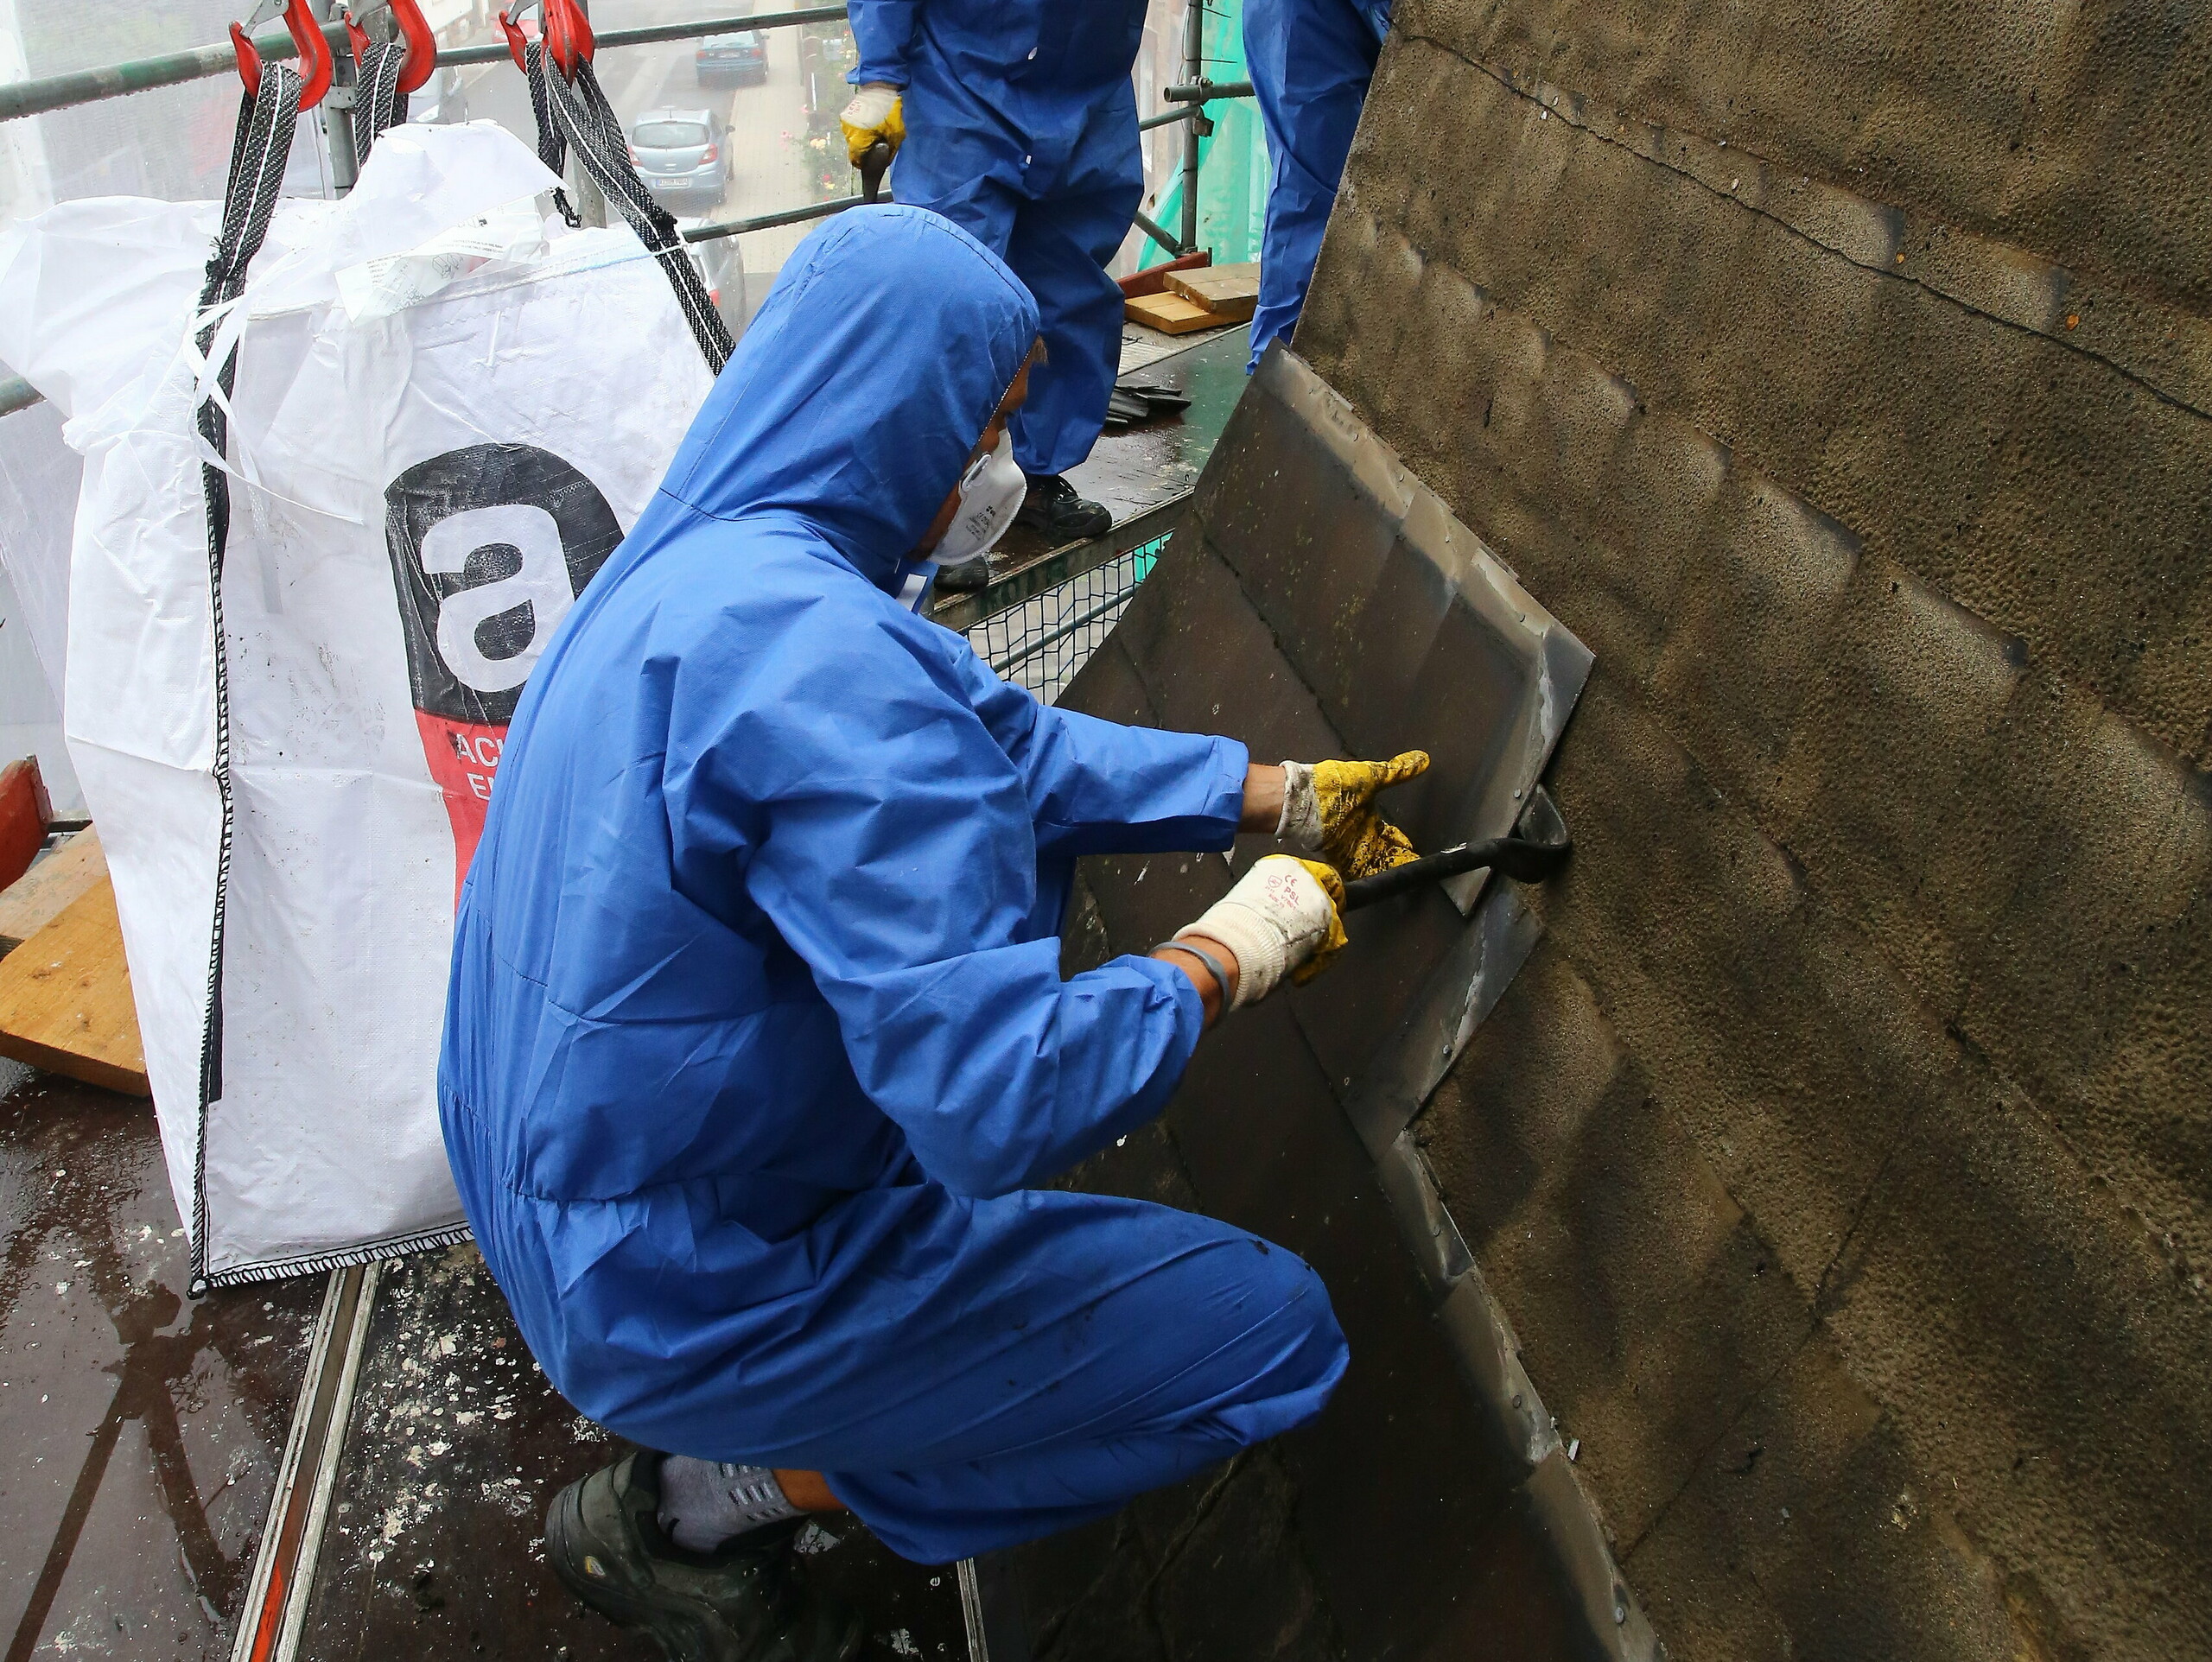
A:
1099, 788
888, 840
884, 31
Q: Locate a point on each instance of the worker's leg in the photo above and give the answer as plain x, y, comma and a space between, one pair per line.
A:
956, 163
1122, 1348
1311, 62
1061, 244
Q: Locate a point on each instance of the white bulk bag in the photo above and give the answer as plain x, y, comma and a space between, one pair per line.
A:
446, 411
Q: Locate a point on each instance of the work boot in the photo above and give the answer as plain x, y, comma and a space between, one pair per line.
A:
742, 1602
966, 576
1052, 507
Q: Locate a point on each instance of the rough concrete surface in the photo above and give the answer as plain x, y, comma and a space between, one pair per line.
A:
1843, 1156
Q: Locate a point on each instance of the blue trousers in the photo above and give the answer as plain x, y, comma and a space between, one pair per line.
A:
1151, 1344
1057, 224
1311, 62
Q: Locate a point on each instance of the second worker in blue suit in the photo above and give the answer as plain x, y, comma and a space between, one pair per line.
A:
1311, 62
1016, 120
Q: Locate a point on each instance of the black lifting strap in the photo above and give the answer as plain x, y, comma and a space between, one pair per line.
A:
259, 152
378, 104
575, 115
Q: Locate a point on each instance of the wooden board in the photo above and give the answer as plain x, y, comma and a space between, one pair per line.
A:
1152, 282
1229, 292
65, 998
42, 894
1169, 313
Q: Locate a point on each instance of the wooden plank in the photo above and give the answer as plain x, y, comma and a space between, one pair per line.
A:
1169, 313
1229, 292
65, 998
42, 894
1153, 281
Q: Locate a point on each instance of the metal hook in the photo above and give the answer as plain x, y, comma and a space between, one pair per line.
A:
315, 54
568, 36
415, 29
518, 44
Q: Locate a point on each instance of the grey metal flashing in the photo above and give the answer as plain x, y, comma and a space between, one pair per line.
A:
1424, 1222
1553, 664
1535, 671
1481, 1341
1461, 991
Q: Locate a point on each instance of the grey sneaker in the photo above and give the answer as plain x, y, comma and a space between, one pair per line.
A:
742, 1602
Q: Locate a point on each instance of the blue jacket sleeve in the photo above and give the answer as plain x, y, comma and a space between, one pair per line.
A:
884, 32
888, 840
1098, 788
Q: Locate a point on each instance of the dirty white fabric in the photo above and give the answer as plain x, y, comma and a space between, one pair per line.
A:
1275, 919
421, 482
1300, 822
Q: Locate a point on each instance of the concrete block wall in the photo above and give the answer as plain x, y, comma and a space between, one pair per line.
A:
1843, 1158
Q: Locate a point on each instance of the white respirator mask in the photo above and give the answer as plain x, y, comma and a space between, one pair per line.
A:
991, 493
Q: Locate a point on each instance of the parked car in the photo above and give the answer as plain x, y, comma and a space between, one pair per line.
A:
441, 101
742, 57
680, 153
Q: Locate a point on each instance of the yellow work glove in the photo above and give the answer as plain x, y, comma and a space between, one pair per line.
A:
876, 111
1328, 809
1283, 916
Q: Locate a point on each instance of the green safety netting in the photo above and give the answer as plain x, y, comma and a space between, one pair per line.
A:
1233, 162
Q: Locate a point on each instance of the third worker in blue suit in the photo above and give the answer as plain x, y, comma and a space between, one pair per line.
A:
1016, 120
1310, 61
757, 1050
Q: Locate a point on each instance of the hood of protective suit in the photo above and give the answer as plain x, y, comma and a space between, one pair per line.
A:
856, 395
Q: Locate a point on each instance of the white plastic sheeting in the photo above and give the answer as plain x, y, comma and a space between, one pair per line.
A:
417, 493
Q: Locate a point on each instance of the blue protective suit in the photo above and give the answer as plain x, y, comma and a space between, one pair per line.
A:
756, 1035
1310, 62
1021, 128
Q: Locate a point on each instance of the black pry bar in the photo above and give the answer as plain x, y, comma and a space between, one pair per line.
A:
1541, 852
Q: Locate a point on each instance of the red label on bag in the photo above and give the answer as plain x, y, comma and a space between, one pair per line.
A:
490, 547
463, 756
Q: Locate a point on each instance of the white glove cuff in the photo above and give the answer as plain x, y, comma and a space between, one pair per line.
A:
1302, 814
1272, 920
871, 104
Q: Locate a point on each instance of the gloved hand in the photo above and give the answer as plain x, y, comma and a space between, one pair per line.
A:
876, 111
1282, 915
1328, 809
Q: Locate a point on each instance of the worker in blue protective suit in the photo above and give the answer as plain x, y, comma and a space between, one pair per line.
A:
1016, 120
756, 1037
1310, 61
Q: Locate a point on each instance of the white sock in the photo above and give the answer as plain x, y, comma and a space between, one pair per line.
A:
704, 1503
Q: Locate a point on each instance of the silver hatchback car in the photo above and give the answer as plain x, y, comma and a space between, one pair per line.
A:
682, 154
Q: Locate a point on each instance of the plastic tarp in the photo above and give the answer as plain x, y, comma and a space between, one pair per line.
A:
447, 409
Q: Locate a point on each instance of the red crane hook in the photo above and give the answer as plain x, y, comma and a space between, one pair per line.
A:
518, 43
415, 29
568, 36
315, 54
